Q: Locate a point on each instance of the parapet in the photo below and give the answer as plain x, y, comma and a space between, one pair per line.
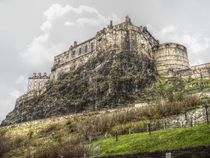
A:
169, 45
39, 76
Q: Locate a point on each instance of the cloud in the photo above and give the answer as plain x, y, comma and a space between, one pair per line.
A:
97, 20
21, 79
168, 29
196, 43
197, 62
46, 26
69, 23
57, 11
41, 50
15, 93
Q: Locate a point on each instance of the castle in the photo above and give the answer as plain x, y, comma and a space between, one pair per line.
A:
171, 59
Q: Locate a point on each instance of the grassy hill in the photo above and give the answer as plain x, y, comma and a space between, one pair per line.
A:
163, 140
79, 134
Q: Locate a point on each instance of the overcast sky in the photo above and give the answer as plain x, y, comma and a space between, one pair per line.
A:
32, 32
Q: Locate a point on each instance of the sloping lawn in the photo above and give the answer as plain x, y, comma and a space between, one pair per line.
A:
162, 140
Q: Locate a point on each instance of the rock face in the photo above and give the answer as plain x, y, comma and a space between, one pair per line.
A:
106, 81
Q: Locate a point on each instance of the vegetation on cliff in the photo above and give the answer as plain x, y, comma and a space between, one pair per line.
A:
54, 137
106, 81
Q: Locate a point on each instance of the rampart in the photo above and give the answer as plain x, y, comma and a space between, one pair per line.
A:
195, 72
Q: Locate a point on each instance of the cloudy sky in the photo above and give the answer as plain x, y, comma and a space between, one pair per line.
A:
33, 31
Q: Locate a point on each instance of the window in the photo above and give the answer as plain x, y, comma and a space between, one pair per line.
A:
92, 46
80, 51
86, 48
73, 53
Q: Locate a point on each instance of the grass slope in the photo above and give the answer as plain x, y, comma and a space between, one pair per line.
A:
162, 140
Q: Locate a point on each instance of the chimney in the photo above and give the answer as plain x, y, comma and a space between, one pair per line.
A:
128, 20
111, 24
75, 43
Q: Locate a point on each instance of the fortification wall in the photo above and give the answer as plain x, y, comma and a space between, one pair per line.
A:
121, 37
169, 58
195, 72
201, 71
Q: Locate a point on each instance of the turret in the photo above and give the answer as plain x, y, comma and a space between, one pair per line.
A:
170, 58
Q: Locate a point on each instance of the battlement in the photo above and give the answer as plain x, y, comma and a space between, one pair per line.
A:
170, 45
39, 76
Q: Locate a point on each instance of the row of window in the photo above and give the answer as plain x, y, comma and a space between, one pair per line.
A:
85, 49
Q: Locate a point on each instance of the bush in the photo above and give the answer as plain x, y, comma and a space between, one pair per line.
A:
69, 149
95, 126
5, 145
50, 127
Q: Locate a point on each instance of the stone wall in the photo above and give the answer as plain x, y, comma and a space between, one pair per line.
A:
201, 71
122, 37
189, 118
169, 58
195, 72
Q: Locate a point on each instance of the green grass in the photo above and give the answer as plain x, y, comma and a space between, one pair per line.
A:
162, 140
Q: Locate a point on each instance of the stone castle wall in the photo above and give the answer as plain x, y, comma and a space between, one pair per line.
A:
122, 37
71, 59
201, 71
195, 72
170, 57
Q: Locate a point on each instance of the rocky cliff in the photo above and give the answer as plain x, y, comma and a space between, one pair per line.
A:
111, 79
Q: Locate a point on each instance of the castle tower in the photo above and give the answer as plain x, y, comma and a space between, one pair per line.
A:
170, 58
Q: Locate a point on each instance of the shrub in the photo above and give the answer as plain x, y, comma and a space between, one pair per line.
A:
5, 145
68, 149
50, 127
98, 125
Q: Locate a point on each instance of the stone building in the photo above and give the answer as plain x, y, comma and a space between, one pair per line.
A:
36, 86
122, 37
171, 59
37, 82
